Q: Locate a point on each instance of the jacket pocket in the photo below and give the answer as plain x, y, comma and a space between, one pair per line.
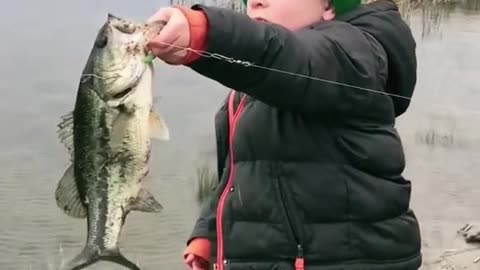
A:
292, 225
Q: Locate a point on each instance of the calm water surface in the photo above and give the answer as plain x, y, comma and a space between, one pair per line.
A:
44, 49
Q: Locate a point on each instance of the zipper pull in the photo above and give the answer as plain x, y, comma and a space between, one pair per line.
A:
299, 261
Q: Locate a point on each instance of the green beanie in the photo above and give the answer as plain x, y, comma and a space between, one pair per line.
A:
344, 6
341, 6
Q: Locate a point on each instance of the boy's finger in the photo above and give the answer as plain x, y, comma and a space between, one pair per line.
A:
167, 36
170, 33
189, 259
162, 14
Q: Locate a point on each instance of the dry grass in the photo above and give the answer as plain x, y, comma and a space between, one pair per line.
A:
434, 138
431, 12
207, 181
473, 5
446, 129
439, 130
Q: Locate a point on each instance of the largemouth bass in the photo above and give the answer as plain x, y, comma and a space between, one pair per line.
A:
108, 135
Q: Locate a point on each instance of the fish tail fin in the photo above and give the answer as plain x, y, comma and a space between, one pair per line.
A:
90, 256
87, 257
118, 258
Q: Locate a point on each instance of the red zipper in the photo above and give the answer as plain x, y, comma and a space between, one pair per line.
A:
299, 261
233, 117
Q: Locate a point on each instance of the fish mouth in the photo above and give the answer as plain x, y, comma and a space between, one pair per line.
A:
121, 24
119, 98
123, 93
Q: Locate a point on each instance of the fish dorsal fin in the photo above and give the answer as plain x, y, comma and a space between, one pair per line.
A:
65, 132
67, 195
158, 127
145, 202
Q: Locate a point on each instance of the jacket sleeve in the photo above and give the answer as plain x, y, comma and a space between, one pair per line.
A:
203, 225
324, 59
201, 228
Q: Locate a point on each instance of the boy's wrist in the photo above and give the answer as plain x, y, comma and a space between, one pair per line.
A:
199, 247
198, 27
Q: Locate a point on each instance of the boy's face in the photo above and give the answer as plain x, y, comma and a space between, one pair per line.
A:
292, 14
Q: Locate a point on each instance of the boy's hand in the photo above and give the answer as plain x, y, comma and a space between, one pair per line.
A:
196, 263
168, 44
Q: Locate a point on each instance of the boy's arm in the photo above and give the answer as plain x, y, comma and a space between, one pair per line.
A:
337, 53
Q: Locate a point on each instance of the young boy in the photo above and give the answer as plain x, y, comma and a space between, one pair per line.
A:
309, 160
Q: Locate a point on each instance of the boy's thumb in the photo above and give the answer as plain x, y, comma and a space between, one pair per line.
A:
189, 258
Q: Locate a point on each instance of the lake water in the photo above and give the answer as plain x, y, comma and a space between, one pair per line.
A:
44, 49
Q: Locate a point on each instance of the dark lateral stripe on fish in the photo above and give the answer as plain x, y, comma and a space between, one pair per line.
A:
103, 185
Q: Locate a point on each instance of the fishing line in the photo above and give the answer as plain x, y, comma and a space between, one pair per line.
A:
231, 60
250, 64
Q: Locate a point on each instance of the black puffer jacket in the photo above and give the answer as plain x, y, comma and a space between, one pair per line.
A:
311, 170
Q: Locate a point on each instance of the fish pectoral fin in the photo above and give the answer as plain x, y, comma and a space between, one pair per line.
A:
158, 127
65, 132
145, 202
67, 195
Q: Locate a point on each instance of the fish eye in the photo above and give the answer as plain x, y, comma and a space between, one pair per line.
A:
101, 41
